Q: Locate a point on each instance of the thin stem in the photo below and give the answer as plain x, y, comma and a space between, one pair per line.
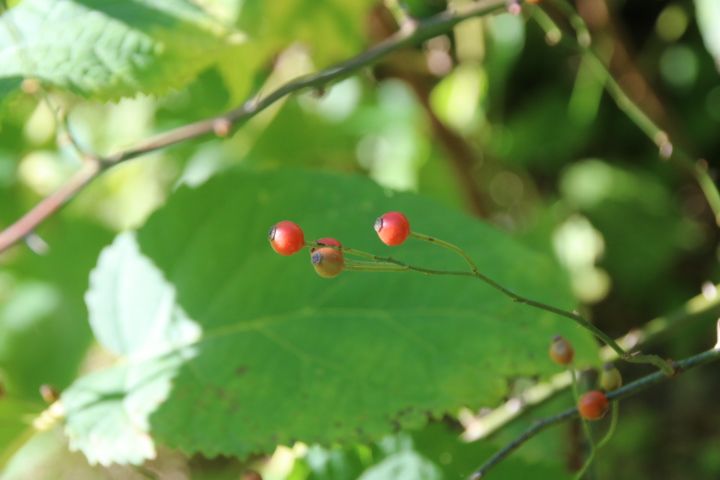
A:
614, 414
577, 318
553, 34
449, 246
372, 267
628, 390
582, 33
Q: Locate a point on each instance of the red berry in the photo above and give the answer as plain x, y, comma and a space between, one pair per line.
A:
561, 351
593, 405
286, 237
327, 261
392, 228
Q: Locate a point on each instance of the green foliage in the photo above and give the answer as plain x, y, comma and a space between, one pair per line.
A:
605, 193
108, 49
203, 343
231, 349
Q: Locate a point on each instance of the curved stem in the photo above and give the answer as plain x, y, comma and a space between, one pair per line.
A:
449, 246
577, 318
614, 414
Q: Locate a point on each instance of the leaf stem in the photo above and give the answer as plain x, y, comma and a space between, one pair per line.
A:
614, 414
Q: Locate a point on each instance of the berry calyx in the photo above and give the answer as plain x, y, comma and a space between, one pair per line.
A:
286, 237
393, 228
610, 378
327, 261
593, 405
561, 351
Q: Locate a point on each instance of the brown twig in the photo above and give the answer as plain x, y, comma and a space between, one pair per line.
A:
224, 124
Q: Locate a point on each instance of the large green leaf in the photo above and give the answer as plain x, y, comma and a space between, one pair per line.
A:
231, 349
108, 48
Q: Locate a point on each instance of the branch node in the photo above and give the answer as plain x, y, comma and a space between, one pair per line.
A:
222, 127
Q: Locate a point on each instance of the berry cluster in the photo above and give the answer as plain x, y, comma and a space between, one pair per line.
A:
327, 254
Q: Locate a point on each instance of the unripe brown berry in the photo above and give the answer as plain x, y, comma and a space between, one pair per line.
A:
561, 351
327, 261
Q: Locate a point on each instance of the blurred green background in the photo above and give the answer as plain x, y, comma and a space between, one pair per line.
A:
488, 119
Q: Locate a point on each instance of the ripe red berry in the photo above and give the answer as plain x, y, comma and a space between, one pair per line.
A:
392, 228
327, 261
561, 351
593, 405
286, 237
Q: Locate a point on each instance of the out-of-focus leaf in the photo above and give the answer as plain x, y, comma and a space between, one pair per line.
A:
43, 323
108, 49
635, 257
708, 17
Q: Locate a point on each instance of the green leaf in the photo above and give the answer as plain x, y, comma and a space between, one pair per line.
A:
231, 349
108, 49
